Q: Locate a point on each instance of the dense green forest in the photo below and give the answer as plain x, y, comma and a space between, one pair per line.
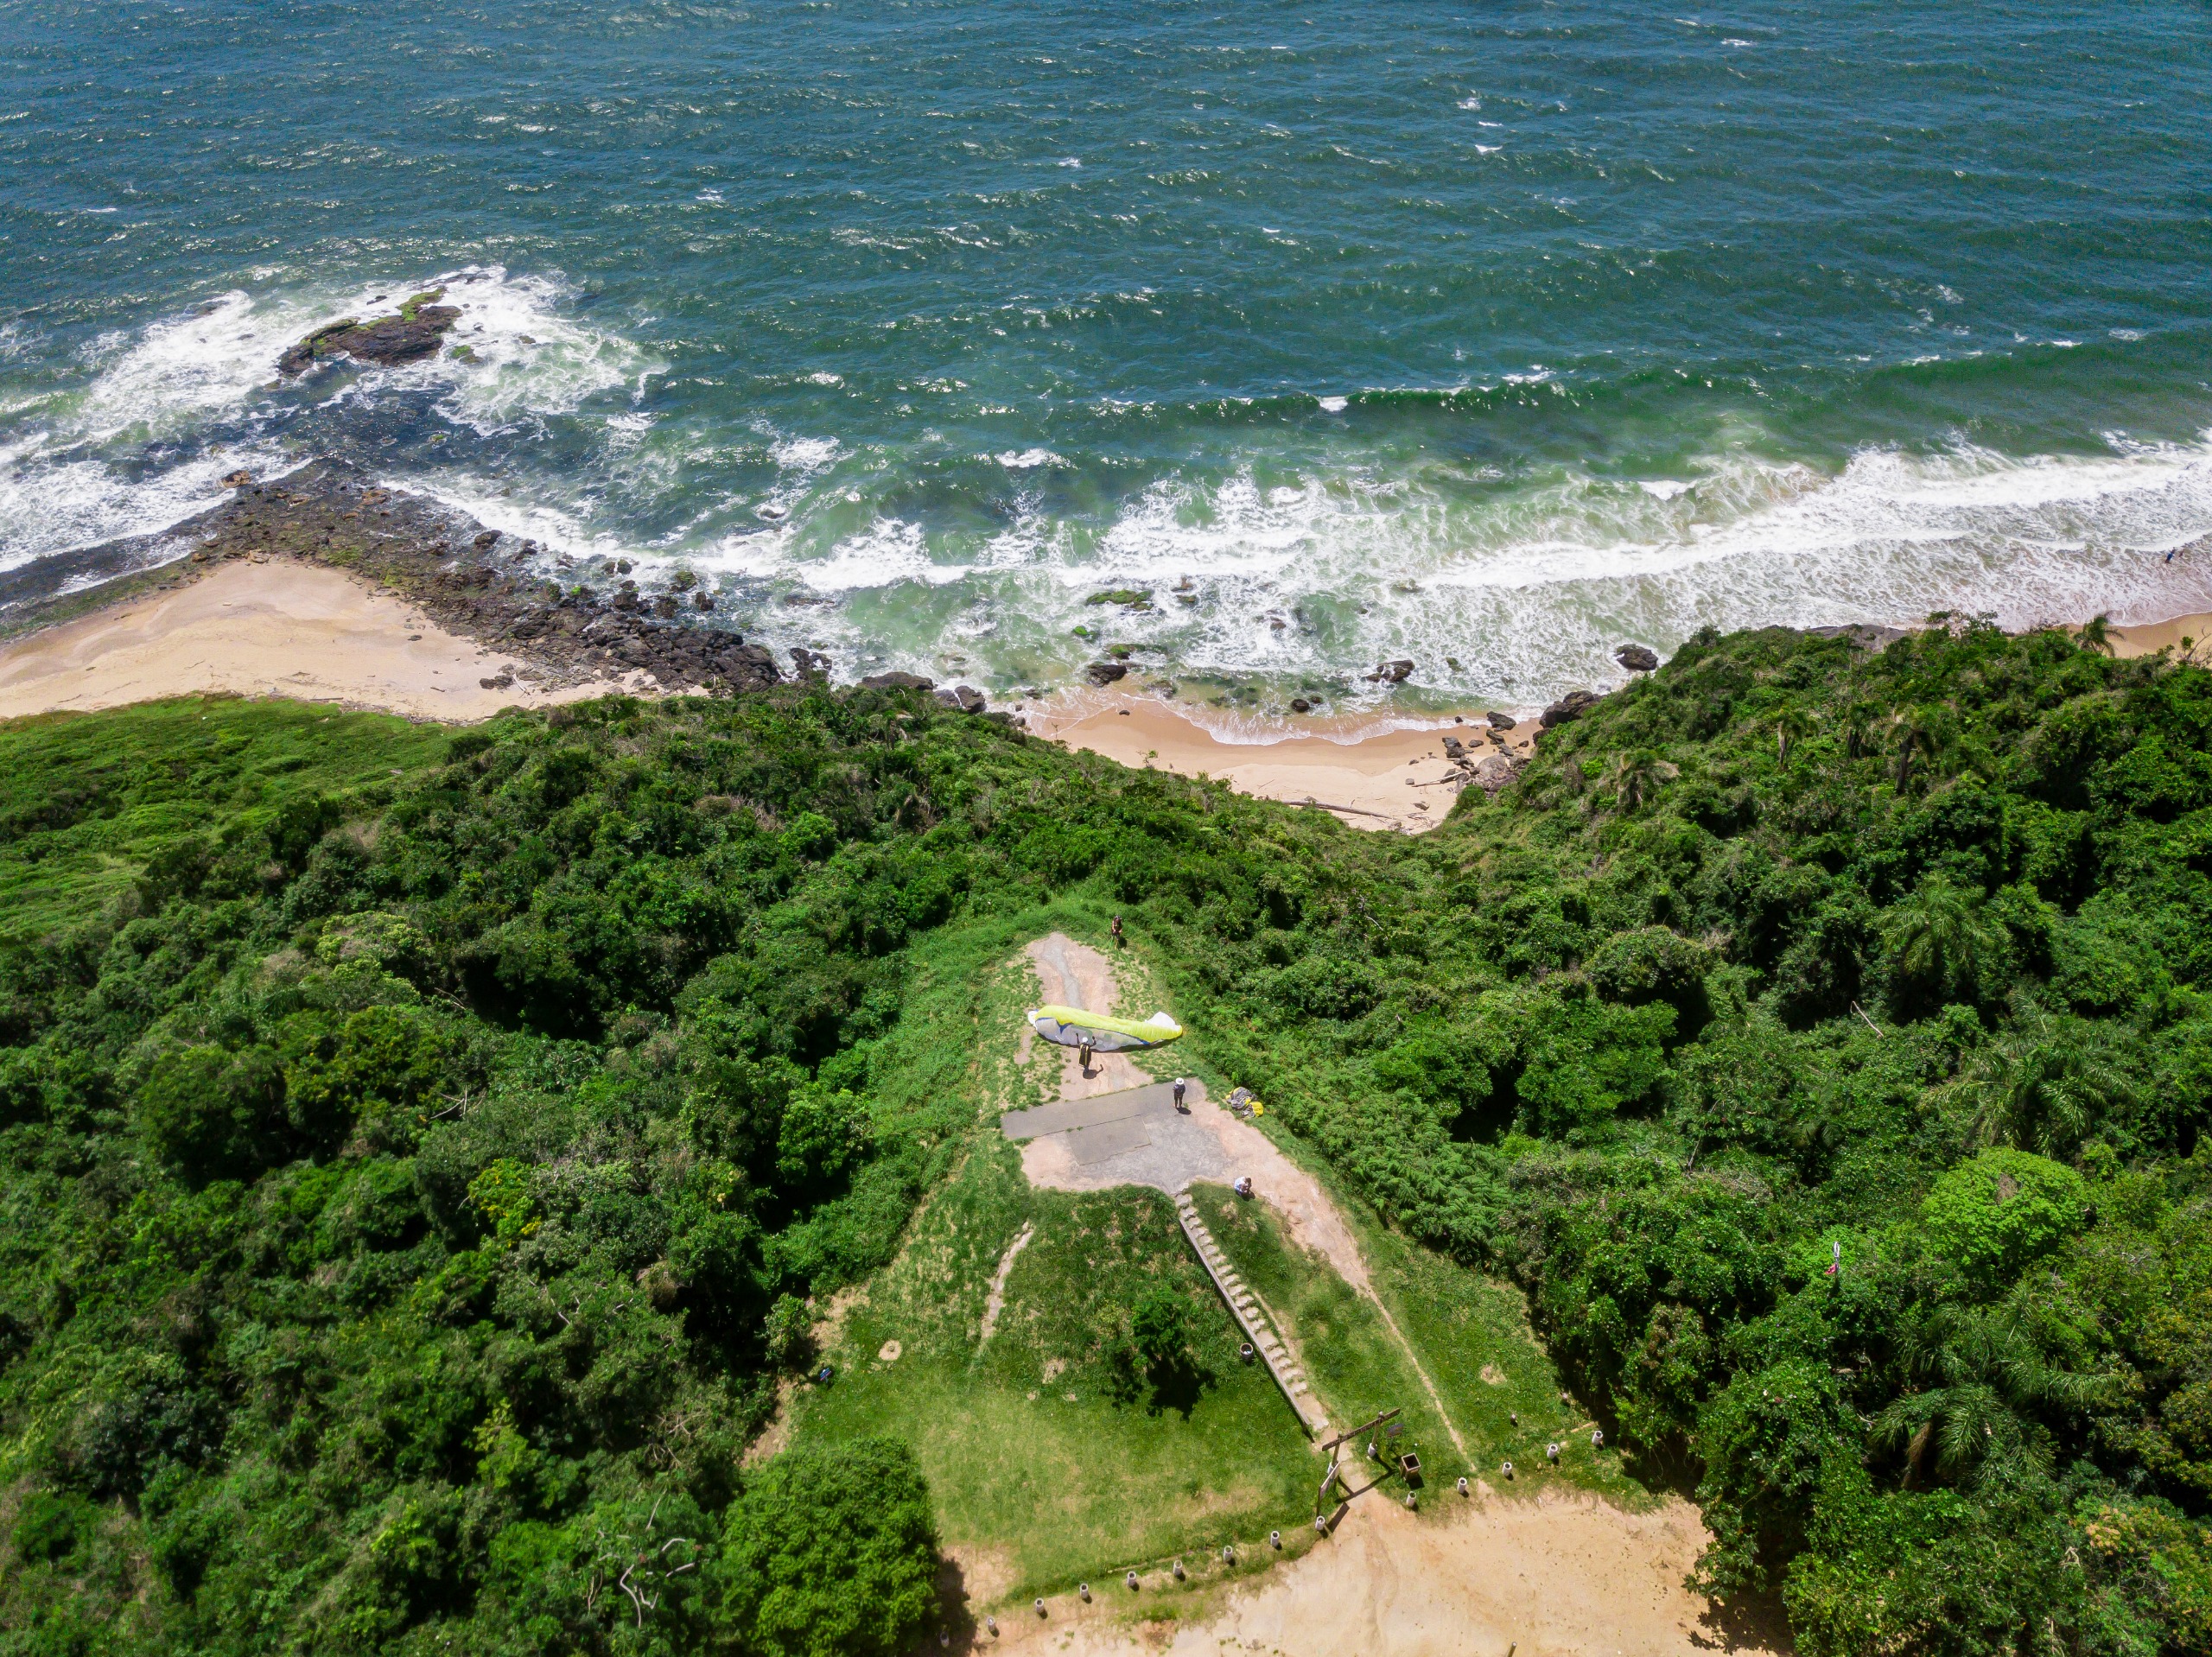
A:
418, 1147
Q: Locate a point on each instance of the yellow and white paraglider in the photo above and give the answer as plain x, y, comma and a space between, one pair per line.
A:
1070, 1027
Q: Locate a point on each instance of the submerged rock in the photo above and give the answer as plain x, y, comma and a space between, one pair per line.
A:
1105, 673
1391, 673
414, 333
897, 681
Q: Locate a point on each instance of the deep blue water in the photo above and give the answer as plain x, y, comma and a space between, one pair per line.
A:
1492, 335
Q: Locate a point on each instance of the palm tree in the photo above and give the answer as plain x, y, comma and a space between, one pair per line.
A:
1940, 938
1981, 1379
1637, 775
1913, 737
2042, 1091
1792, 725
2096, 635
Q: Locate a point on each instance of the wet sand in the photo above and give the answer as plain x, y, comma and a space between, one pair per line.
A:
2149, 638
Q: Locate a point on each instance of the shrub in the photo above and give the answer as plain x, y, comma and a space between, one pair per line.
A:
2000, 1213
829, 1553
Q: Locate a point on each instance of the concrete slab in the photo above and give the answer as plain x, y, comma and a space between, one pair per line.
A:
1062, 1114
1092, 1146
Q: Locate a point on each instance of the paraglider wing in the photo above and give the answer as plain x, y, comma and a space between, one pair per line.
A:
1070, 1027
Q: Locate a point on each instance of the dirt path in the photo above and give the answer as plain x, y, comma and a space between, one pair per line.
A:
994, 1303
1558, 1575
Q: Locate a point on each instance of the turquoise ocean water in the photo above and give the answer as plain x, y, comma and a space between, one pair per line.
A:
1491, 336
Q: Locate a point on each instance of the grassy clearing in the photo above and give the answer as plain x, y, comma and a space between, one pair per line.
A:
1051, 1461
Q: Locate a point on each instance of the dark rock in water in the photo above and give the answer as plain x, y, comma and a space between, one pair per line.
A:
1391, 673
1636, 658
1105, 673
1500, 721
1571, 706
702, 600
966, 698
811, 664
487, 540
413, 334
897, 681
1299, 705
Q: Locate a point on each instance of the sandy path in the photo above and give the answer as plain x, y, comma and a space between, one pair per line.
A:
1384, 778
1556, 1575
257, 628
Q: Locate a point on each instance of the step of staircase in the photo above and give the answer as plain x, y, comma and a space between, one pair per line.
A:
1244, 1307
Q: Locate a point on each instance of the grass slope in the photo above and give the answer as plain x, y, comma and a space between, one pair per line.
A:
1050, 1461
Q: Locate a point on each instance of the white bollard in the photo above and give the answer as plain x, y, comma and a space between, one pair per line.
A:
1552, 1452
1132, 1580
1596, 1437
1040, 1607
1410, 1503
1506, 1468
1083, 1589
1228, 1554
991, 1626
1178, 1571
1463, 1487
1275, 1538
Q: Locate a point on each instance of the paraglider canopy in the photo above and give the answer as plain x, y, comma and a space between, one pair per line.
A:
1070, 1027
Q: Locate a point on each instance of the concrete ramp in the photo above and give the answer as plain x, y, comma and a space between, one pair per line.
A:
1066, 1114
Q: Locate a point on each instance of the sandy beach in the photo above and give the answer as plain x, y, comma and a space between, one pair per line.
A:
277, 626
268, 627
1373, 772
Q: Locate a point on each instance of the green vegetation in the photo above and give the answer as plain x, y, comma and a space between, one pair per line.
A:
1106, 1423
427, 1157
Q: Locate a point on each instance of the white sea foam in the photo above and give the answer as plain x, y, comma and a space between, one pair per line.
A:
1531, 591
88, 464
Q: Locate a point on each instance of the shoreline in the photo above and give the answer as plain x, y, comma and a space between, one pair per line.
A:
320, 587
1382, 773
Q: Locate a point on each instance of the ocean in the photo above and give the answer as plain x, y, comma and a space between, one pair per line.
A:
1488, 336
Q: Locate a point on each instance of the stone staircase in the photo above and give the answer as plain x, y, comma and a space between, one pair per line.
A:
1247, 1310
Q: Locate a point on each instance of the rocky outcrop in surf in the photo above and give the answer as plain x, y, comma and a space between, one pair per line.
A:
416, 333
469, 578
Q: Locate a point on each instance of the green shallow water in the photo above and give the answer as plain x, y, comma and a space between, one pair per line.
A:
1490, 337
